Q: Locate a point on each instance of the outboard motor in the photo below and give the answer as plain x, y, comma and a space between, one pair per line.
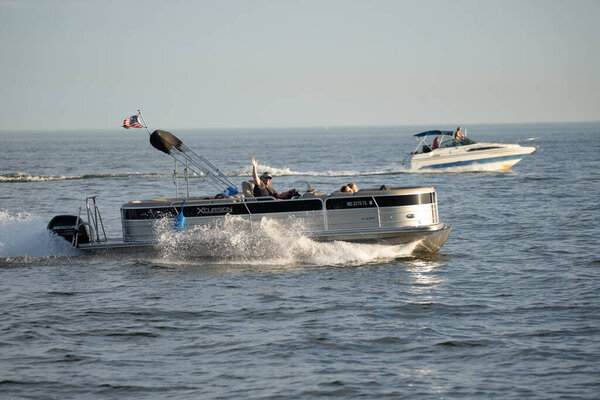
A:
66, 227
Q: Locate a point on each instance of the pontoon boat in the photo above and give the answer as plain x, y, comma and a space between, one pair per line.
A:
384, 215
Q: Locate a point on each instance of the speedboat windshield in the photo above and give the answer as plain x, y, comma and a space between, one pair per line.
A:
456, 143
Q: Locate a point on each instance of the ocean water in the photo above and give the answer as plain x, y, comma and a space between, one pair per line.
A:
509, 308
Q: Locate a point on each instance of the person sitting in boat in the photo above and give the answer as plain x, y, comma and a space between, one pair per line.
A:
458, 135
262, 185
346, 189
436, 143
353, 186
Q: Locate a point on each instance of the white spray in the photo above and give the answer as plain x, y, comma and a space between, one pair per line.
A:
265, 242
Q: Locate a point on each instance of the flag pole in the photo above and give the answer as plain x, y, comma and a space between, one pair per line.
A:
143, 120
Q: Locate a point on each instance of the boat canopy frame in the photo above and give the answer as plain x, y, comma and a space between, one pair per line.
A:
170, 144
435, 133
422, 137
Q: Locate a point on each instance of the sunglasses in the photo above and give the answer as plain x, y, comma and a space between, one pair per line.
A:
268, 177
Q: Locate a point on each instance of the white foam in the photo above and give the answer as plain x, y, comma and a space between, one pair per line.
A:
244, 172
268, 242
285, 171
24, 235
25, 177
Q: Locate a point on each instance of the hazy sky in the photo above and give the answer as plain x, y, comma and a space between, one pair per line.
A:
226, 63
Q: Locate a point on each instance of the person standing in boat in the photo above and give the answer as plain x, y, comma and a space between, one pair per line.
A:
262, 185
458, 135
436, 143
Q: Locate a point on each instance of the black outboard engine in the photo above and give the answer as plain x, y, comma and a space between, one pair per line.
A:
66, 227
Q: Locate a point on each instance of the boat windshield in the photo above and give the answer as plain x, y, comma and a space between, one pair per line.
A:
461, 142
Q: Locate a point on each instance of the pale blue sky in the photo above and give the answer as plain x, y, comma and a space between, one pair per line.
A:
71, 64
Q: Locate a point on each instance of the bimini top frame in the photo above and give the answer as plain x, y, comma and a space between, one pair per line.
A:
446, 137
171, 145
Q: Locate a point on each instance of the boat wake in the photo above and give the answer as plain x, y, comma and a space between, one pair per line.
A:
24, 239
24, 236
25, 177
268, 242
285, 171
17, 177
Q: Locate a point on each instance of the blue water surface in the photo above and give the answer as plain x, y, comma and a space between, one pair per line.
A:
510, 307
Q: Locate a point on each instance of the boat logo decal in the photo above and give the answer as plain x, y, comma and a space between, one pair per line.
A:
359, 203
214, 210
63, 227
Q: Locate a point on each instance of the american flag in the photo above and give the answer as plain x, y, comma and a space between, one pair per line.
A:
132, 122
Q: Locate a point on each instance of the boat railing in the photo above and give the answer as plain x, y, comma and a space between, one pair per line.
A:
201, 201
94, 220
378, 212
378, 215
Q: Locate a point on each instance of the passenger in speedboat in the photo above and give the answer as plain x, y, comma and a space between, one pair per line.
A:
353, 186
346, 189
436, 143
262, 185
458, 134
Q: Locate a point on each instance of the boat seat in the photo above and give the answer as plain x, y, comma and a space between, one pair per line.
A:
375, 190
313, 194
339, 193
248, 189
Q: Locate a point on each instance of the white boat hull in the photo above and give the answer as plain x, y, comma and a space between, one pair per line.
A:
492, 157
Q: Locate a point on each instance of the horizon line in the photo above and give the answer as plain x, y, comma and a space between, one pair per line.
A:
309, 126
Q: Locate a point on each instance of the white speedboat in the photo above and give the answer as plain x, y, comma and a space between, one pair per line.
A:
464, 154
394, 216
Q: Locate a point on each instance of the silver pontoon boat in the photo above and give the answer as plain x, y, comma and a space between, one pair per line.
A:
384, 215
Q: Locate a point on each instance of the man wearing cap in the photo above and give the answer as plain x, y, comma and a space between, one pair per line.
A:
262, 185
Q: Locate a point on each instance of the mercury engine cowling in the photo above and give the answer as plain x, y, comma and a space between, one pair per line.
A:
66, 226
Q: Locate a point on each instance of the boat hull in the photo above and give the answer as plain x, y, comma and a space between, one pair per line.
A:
425, 240
428, 240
